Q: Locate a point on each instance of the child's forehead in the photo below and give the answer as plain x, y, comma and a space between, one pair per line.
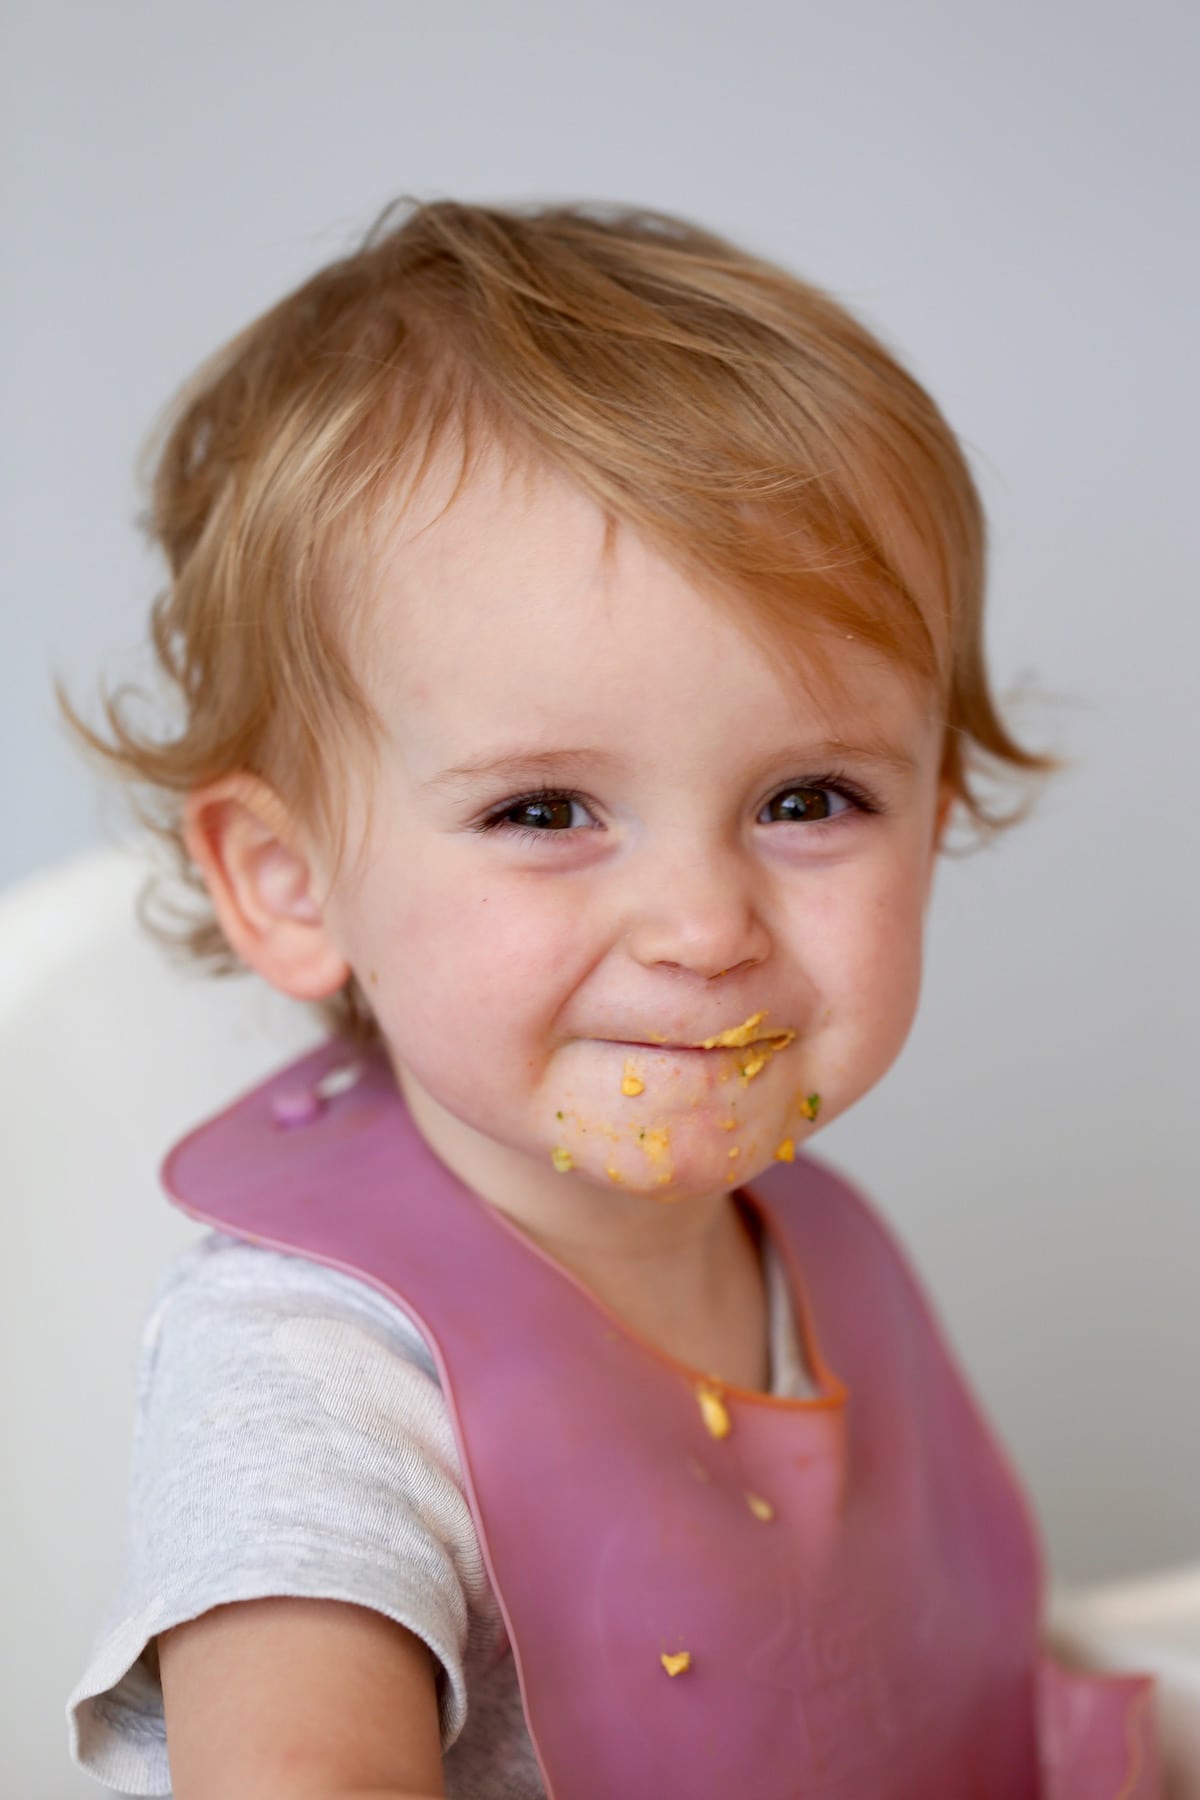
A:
504, 605
503, 513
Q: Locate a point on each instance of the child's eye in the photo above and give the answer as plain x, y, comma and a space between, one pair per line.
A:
812, 803
550, 805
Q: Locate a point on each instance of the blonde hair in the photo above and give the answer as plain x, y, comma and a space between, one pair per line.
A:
738, 417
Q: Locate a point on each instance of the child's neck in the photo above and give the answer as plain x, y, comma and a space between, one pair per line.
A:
704, 1303
686, 1275
728, 1334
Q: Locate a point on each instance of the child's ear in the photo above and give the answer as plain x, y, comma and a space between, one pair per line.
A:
263, 885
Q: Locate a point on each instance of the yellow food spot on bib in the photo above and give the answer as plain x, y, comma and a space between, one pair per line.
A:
562, 1159
675, 1665
762, 1509
714, 1412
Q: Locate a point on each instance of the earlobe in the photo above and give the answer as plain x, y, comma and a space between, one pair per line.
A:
260, 877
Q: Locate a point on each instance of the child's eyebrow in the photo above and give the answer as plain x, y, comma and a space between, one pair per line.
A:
534, 762
511, 764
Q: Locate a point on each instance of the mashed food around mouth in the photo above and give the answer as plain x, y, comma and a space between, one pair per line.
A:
761, 1045
737, 1037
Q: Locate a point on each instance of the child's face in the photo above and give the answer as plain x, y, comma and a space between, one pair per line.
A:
683, 886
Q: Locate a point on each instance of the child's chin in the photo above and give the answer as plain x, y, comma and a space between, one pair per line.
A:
670, 1173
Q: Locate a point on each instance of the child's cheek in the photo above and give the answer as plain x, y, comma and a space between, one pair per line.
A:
872, 994
463, 979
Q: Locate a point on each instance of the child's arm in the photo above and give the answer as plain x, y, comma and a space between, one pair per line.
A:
286, 1699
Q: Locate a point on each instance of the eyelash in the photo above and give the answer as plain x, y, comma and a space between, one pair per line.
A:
834, 783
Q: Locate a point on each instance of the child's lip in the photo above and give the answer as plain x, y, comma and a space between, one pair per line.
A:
697, 1049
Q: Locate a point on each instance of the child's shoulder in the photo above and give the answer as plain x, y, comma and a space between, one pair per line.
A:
223, 1286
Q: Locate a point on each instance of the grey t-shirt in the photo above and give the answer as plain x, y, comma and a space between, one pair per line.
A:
290, 1438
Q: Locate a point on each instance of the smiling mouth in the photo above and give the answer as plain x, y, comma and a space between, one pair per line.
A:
735, 1037
697, 1049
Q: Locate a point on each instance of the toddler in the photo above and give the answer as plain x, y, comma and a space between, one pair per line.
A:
538, 1417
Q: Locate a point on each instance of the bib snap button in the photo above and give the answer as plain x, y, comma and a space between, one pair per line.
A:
296, 1106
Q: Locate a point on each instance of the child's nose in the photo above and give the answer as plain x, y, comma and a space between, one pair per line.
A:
708, 927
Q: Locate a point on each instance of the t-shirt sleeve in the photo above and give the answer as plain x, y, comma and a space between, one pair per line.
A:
290, 1438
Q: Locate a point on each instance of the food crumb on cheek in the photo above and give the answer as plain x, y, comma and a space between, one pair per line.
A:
631, 1082
562, 1159
786, 1151
810, 1106
677, 1664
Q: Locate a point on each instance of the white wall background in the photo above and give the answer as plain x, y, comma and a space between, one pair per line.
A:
1008, 194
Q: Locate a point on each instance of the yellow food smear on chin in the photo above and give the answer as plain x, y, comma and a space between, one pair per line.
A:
631, 1082
562, 1159
653, 1142
755, 1060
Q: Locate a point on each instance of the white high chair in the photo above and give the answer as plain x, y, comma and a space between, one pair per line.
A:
107, 1055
